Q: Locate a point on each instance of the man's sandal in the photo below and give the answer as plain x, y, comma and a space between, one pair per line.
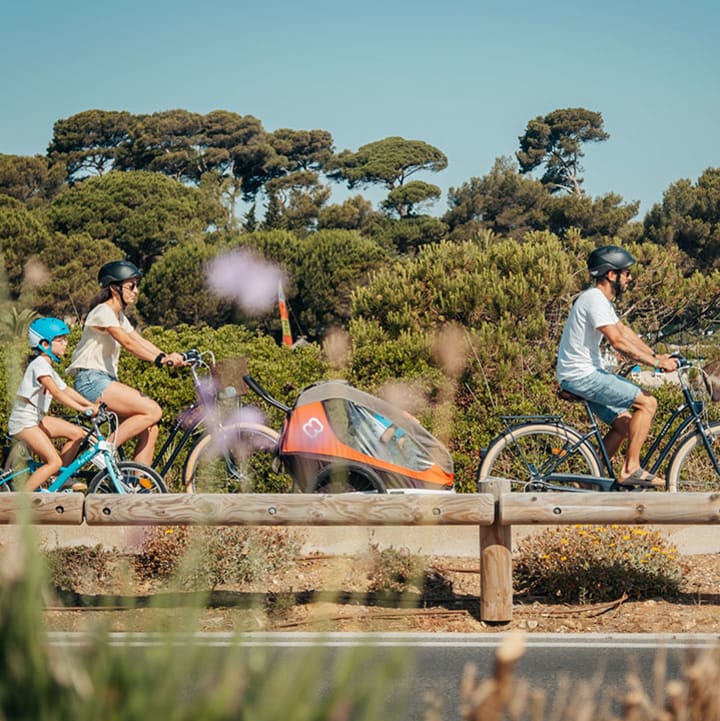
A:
643, 479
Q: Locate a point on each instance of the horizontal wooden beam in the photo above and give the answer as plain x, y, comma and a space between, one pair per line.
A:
61, 509
624, 508
280, 509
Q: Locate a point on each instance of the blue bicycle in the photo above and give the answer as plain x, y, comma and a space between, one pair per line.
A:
110, 475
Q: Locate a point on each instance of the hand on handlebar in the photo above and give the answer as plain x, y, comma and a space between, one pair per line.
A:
174, 360
668, 362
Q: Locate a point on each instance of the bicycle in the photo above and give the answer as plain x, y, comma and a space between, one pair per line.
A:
222, 444
113, 476
544, 453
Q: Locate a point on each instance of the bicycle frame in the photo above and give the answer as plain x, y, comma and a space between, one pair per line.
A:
102, 453
189, 422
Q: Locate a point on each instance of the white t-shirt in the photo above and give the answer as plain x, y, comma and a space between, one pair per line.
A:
97, 349
33, 400
579, 350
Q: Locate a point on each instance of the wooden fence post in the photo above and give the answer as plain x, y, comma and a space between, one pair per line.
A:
496, 561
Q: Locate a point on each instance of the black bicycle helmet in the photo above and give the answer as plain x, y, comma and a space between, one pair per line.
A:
608, 257
117, 271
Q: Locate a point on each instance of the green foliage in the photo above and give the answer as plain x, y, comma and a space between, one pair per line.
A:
503, 201
144, 214
330, 265
31, 180
389, 161
71, 266
205, 558
89, 142
689, 217
22, 235
597, 563
556, 141
406, 199
174, 291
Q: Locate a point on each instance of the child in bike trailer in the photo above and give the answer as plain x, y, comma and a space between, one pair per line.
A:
29, 421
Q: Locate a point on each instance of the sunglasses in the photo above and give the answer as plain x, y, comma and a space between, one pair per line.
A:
132, 285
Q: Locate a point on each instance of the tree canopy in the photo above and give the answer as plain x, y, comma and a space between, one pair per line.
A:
389, 161
143, 214
556, 141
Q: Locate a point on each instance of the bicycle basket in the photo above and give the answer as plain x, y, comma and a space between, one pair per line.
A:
334, 423
228, 377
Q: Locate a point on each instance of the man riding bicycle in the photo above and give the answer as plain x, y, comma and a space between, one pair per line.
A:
580, 369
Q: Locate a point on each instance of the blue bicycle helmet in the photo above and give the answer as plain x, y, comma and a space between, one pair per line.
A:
46, 329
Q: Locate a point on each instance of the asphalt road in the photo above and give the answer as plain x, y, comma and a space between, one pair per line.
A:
434, 663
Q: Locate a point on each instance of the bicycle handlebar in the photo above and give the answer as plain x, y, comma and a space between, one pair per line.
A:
260, 391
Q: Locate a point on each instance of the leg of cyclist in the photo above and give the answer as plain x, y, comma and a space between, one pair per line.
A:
618, 433
40, 443
644, 408
138, 415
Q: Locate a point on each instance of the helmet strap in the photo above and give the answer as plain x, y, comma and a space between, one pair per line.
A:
48, 351
118, 287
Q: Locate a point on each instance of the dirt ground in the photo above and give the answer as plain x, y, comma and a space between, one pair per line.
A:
331, 594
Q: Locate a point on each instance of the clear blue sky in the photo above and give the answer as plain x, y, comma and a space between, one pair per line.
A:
463, 75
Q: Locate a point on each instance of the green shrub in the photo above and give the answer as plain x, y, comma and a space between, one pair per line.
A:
597, 563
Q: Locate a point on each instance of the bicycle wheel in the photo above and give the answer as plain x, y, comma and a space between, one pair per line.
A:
135, 478
348, 478
691, 468
236, 459
529, 453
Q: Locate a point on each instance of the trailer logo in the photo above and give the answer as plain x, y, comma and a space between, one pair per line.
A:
313, 427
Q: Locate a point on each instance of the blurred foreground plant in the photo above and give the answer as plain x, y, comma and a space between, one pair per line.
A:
175, 676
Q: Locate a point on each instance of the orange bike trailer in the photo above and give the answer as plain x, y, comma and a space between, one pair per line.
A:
337, 433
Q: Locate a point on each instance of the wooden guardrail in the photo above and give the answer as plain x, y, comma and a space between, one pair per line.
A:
493, 512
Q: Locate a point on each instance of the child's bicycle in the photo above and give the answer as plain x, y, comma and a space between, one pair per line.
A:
114, 476
543, 453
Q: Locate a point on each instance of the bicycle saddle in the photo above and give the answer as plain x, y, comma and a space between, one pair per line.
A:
564, 395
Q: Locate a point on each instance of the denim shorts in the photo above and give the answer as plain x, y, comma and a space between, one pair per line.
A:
608, 394
91, 384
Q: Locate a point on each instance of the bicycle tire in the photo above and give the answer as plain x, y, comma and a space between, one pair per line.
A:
511, 454
342, 477
241, 461
136, 478
690, 468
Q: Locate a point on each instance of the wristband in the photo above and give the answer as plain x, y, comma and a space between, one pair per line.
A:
159, 359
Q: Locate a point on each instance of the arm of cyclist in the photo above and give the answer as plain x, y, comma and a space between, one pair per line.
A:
141, 347
626, 341
68, 396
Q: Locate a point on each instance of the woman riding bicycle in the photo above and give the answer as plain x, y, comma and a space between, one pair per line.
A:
95, 360
41, 384
580, 370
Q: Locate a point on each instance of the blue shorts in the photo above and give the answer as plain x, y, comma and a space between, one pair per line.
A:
608, 394
91, 384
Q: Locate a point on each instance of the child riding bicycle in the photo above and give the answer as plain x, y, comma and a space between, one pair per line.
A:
29, 421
